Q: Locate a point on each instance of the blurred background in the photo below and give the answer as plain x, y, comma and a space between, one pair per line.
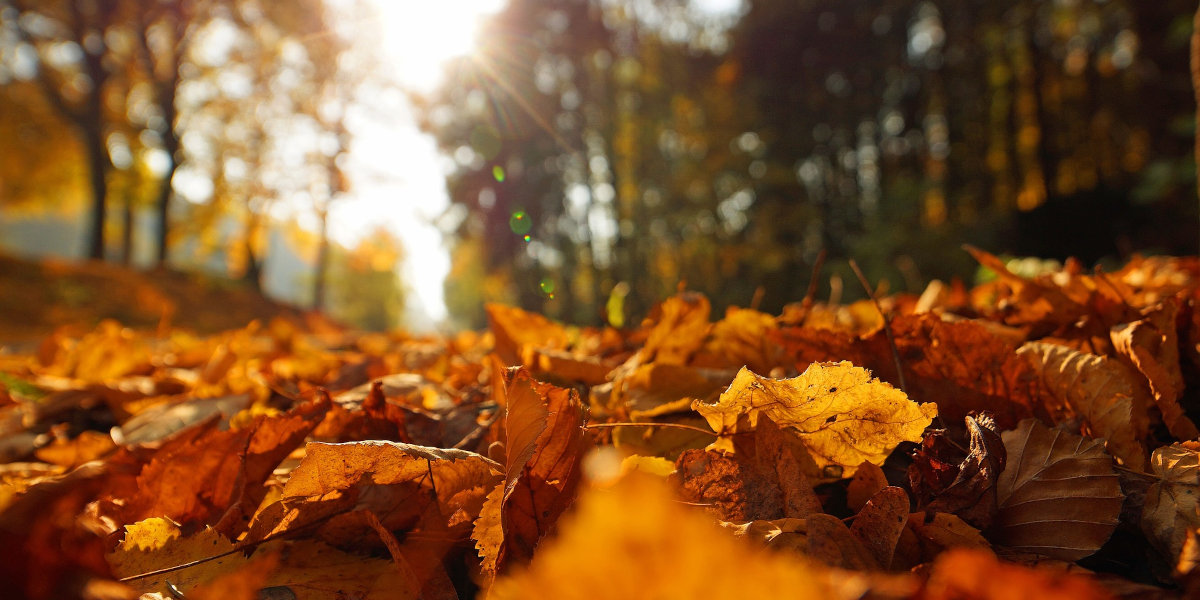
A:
399, 164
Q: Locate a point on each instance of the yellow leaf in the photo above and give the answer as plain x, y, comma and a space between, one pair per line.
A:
842, 414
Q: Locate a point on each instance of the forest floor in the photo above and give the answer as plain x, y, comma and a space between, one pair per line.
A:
40, 296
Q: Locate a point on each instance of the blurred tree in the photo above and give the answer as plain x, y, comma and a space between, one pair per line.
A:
368, 292
68, 48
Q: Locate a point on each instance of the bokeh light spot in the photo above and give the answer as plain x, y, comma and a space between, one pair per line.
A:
547, 286
520, 223
498, 173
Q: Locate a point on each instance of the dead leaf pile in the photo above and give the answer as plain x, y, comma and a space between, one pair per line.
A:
1032, 437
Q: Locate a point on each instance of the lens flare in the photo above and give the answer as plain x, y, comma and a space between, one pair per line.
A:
520, 223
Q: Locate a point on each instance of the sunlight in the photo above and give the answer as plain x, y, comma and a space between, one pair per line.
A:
420, 38
398, 175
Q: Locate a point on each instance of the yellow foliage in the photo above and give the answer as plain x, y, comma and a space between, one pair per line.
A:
842, 414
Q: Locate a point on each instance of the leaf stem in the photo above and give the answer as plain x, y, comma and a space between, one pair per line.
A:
674, 425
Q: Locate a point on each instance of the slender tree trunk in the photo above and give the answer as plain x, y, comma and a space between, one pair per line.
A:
127, 229
98, 162
162, 207
322, 263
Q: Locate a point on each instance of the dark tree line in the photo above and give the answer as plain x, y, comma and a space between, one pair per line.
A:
649, 144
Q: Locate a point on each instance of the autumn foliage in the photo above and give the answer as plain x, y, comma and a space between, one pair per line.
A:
1032, 437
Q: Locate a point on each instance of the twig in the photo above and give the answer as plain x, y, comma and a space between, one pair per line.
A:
812, 282
675, 425
887, 324
237, 548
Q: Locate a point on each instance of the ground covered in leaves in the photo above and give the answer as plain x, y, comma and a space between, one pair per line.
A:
1032, 437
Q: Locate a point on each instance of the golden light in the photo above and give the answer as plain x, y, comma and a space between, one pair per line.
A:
420, 37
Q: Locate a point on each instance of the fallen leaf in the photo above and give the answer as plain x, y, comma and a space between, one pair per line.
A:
879, 524
661, 550
1152, 346
744, 338
677, 329
735, 489
397, 481
1100, 392
971, 494
1058, 494
516, 329
50, 551
937, 532
1171, 510
781, 452
978, 575
544, 449
842, 414
205, 474
867, 481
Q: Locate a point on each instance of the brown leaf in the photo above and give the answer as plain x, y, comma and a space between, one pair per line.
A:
830, 542
1171, 510
735, 489
781, 452
49, 551
1102, 393
879, 524
1152, 346
937, 532
1058, 494
867, 481
972, 493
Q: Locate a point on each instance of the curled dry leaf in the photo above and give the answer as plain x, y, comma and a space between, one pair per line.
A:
1058, 495
1105, 395
967, 489
544, 448
1152, 346
1171, 510
841, 414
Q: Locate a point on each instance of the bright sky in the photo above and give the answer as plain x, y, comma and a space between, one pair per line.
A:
398, 178
397, 175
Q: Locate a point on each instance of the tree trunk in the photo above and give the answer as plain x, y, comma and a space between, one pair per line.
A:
129, 219
98, 162
162, 208
322, 266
